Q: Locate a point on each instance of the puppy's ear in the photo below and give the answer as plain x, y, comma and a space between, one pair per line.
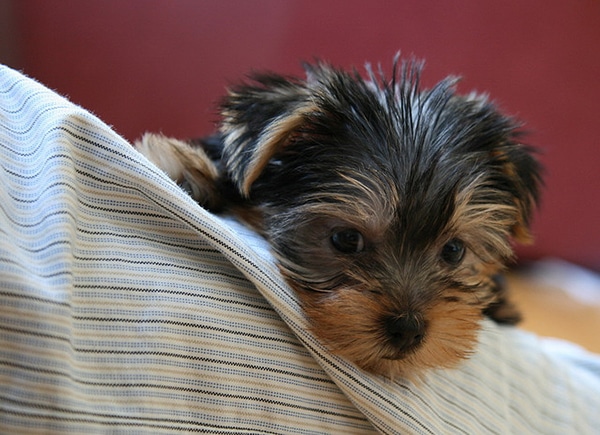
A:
524, 173
259, 119
521, 171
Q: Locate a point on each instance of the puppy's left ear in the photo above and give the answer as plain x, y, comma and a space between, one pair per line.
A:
524, 173
259, 119
521, 171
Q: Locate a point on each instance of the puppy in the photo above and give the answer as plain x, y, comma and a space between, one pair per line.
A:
391, 209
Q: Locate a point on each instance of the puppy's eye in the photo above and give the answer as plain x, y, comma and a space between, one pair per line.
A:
453, 252
348, 241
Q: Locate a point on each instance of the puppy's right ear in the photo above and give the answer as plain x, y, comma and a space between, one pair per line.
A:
259, 119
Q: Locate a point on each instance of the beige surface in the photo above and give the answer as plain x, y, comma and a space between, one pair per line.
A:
559, 300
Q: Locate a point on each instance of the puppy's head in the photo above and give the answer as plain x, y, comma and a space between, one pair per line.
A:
390, 208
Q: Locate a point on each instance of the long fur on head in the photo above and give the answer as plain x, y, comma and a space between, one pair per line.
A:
390, 208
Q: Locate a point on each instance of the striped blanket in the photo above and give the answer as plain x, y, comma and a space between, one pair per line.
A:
125, 307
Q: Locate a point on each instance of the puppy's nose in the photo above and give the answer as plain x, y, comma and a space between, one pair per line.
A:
406, 331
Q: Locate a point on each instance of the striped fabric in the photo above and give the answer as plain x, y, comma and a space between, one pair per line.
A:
125, 307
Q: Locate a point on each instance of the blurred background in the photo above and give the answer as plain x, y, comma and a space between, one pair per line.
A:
150, 65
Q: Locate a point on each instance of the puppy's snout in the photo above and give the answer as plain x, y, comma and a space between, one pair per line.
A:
406, 331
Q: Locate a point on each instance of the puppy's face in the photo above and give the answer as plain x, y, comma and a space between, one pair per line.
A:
390, 209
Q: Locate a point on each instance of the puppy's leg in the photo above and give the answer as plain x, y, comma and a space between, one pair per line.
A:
189, 166
502, 310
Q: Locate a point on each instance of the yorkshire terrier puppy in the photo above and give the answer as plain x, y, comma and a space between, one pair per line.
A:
391, 209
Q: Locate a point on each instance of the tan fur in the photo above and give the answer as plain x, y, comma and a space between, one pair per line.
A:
349, 322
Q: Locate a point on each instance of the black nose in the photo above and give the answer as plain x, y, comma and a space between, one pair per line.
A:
406, 331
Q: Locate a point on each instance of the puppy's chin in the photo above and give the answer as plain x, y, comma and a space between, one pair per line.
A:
350, 323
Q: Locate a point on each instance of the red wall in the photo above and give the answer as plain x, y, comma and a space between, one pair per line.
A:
158, 65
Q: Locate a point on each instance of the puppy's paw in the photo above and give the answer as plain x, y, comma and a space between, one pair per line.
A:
502, 310
189, 166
